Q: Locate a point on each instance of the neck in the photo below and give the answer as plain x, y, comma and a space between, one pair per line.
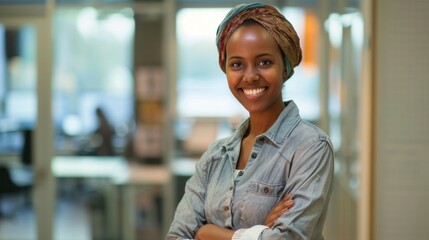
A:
261, 122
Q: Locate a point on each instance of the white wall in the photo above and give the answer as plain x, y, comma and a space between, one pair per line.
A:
401, 164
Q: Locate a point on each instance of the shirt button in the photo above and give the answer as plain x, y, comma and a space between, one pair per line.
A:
266, 190
261, 139
240, 173
226, 209
230, 188
254, 155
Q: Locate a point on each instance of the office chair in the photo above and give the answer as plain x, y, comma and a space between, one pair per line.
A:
9, 185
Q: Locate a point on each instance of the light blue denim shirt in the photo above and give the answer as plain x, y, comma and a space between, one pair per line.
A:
292, 157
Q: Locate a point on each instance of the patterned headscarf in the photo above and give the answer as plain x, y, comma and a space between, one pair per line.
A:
269, 18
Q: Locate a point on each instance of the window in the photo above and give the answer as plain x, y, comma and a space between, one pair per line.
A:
93, 68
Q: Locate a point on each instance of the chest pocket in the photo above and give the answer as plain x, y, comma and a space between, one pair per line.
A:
258, 201
264, 189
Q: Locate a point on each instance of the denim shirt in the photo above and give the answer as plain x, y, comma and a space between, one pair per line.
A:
292, 157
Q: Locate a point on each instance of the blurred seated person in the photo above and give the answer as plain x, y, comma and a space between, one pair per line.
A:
101, 139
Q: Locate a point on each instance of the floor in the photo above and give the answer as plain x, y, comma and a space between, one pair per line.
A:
79, 215
72, 220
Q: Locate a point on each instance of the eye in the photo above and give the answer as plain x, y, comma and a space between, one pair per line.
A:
265, 62
235, 64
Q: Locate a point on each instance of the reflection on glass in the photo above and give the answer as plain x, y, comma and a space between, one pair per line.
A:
345, 33
346, 38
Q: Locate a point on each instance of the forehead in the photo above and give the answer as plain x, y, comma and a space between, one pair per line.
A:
251, 36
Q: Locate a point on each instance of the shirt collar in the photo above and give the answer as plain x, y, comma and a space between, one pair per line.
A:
277, 133
285, 123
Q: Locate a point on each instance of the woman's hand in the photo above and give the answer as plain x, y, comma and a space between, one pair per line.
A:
281, 208
213, 232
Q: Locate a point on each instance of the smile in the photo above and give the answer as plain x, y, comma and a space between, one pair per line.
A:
252, 92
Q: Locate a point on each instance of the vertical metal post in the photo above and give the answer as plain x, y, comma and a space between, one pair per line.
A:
44, 182
169, 63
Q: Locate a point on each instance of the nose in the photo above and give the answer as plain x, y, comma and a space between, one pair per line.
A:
251, 74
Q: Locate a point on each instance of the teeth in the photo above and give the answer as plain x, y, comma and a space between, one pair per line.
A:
253, 91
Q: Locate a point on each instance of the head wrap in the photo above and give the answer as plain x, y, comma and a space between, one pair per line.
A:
269, 18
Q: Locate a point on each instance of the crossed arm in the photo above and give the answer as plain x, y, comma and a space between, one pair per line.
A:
214, 232
310, 181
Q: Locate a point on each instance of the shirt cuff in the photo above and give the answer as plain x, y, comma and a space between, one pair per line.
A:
249, 233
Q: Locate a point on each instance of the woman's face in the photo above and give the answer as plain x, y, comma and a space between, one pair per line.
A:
255, 69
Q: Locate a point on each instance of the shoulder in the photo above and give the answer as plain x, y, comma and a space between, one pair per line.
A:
307, 130
219, 147
215, 148
305, 134
214, 153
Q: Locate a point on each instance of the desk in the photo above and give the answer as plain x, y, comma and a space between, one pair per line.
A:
120, 174
114, 168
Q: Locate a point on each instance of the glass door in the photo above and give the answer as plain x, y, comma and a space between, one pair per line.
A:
18, 114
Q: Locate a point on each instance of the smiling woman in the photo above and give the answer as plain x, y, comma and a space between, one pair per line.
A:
255, 69
272, 178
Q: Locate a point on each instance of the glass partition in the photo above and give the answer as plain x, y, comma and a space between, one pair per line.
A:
17, 86
346, 41
92, 80
17, 120
345, 34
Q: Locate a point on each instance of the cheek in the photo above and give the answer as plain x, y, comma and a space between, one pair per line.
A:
232, 88
232, 78
275, 77
233, 81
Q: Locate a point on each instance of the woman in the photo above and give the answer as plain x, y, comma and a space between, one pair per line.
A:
243, 184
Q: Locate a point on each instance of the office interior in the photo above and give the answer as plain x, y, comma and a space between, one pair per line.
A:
106, 106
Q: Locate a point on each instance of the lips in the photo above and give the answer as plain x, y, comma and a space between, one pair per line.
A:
253, 91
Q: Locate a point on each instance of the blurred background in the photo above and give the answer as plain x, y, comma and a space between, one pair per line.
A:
106, 106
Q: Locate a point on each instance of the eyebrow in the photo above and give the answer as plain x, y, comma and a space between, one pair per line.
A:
258, 56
